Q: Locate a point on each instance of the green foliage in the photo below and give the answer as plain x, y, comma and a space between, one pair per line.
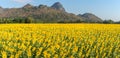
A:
108, 21
29, 20
49, 19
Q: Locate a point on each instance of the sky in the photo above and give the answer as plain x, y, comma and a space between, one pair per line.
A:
105, 9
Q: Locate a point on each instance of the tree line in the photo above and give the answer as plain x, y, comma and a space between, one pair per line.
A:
17, 20
32, 20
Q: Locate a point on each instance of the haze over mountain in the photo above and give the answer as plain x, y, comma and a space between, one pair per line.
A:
43, 13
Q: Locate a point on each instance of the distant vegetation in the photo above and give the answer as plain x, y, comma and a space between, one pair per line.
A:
32, 20
44, 14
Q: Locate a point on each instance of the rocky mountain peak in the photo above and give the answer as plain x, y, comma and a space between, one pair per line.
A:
58, 6
28, 6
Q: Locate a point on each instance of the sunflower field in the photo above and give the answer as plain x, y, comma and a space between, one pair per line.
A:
59, 41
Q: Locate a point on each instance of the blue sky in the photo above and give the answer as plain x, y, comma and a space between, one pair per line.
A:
105, 9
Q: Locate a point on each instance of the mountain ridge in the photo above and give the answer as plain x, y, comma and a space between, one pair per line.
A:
58, 6
43, 13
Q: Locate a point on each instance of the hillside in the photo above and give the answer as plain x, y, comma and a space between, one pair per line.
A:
43, 13
89, 17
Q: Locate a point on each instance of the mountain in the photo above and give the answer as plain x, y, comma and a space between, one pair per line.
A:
1, 10
43, 13
58, 6
28, 6
89, 17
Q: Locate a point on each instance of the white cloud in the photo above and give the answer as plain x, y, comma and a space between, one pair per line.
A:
22, 1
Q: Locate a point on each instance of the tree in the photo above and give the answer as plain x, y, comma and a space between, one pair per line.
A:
29, 20
108, 21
